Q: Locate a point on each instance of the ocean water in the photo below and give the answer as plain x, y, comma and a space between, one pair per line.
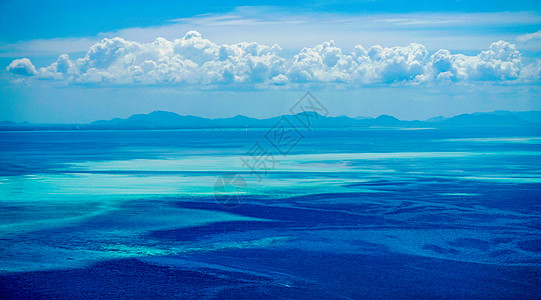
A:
345, 213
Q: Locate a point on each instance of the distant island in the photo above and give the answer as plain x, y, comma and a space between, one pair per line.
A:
170, 120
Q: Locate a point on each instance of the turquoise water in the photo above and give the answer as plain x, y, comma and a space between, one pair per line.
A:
70, 200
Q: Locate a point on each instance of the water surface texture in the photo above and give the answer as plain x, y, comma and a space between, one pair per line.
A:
347, 213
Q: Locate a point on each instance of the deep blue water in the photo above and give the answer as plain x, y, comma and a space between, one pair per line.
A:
346, 213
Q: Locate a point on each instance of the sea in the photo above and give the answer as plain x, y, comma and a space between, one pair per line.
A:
318, 213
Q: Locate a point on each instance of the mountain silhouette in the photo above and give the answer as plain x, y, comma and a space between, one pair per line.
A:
170, 120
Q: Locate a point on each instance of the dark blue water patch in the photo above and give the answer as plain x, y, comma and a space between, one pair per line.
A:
502, 253
440, 250
321, 196
436, 184
415, 209
386, 274
501, 240
439, 220
284, 274
531, 245
523, 198
217, 229
471, 243
299, 216
319, 216
127, 279
520, 197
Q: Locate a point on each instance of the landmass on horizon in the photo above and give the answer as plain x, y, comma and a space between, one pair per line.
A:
171, 120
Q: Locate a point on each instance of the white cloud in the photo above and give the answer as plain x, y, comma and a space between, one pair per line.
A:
529, 36
501, 62
23, 67
199, 62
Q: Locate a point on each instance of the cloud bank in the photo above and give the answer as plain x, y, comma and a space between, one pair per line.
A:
199, 62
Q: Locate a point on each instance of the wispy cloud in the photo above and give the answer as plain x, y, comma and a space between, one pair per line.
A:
529, 36
249, 16
47, 46
293, 31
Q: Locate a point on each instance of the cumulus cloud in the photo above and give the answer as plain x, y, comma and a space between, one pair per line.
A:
22, 67
501, 62
194, 60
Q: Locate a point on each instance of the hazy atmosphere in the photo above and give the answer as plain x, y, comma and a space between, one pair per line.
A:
66, 62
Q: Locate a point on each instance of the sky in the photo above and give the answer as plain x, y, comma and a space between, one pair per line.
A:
76, 62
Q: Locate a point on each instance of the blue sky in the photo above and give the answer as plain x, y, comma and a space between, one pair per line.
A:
69, 61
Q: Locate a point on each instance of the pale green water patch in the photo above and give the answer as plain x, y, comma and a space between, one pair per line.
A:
25, 257
321, 162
